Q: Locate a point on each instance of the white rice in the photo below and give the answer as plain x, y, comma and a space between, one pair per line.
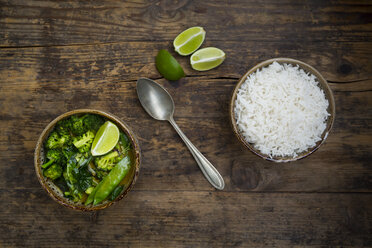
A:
281, 110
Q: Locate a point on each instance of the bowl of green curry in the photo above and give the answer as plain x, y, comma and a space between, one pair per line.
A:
68, 171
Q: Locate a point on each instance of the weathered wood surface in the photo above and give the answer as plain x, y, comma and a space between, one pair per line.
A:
58, 56
192, 219
50, 23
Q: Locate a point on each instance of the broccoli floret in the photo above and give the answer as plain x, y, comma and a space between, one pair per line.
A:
77, 125
64, 126
56, 141
84, 142
93, 122
66, 138
108, 161
53, 172
54, 156
101, 174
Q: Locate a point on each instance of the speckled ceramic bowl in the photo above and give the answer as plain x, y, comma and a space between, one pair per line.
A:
51, 188
322, 84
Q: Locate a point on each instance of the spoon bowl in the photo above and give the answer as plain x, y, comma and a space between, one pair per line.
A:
159, 104
155, 99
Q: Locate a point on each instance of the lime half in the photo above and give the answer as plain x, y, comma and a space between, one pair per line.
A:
207, 58
189, 40
168, 66
106, 139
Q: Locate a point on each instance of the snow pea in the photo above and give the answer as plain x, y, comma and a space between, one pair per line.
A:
112, 180
116, 192
91, 196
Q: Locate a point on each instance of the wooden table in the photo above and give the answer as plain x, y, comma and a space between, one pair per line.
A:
58, 56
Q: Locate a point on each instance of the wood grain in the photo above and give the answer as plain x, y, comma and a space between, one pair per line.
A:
192, 219
58, 56
110, 63
50, 23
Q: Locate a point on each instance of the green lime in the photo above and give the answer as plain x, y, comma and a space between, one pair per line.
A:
168, 66
207, 58
106, 139
189, 40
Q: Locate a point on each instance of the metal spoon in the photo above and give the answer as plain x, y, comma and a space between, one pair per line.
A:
159, 104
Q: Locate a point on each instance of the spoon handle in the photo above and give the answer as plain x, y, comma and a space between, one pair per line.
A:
211, 173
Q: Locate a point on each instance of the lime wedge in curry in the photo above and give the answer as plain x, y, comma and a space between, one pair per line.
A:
106, 139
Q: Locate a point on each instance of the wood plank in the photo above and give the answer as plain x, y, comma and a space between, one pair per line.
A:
110, 63
190, 219
48, 23
341, 165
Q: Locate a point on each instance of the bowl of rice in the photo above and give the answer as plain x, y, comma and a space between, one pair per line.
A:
282, 109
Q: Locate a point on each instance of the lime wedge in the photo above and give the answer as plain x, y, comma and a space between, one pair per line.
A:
207, 58
189, 40
106, 139
168, 66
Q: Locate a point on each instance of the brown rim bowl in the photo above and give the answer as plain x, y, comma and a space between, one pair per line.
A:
322, 84
46, 183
